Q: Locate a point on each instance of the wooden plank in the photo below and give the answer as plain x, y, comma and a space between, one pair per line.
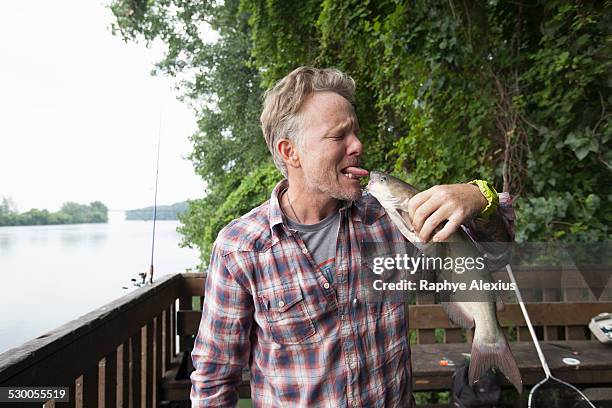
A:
185, 341
453, 336
185, 303
73, 347
428, 375
109, 383
433, 316
596, 367
424, 335
90, 386
188, 322
546, 277
166, 339
574, 331
123, 393
148, 366
78, 392
158, 350
192, 284
553, 332
136, 388
172, 330
72, 391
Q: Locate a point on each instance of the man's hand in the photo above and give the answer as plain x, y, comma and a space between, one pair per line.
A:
457, 203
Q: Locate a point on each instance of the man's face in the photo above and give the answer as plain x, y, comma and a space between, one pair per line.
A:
330, 148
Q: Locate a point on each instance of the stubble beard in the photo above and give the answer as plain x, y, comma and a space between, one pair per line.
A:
326, 181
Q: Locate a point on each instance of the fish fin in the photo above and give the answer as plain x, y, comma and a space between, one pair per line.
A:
495, 355
404, 206
458, 315
406, 229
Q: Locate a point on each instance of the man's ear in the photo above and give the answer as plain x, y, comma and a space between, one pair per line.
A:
288, 152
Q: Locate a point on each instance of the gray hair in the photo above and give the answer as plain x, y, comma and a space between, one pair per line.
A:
281, 116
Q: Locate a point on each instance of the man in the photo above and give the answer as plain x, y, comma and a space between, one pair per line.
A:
282, 295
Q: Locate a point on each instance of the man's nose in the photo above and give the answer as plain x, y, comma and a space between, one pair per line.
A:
355, 148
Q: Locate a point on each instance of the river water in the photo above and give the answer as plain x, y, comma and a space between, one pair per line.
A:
50, 275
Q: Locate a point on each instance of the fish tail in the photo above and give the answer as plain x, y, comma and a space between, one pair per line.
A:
494, 355
458, 315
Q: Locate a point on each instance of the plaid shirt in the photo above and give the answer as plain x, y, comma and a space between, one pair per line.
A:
307, 342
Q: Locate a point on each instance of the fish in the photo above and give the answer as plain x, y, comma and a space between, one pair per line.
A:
490, 348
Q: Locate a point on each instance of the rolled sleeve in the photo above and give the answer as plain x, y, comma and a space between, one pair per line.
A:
222, 345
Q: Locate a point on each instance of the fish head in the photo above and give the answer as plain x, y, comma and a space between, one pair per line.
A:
388, 190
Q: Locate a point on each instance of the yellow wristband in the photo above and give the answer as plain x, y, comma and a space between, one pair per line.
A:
490, 194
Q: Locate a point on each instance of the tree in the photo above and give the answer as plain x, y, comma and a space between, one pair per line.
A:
70, 213
515, 92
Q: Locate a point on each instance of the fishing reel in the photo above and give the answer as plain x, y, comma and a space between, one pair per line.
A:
138, 282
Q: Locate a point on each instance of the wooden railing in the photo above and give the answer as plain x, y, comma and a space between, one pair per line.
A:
114, 356
560, 314
123, 354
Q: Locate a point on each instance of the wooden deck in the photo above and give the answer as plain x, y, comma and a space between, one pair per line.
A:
125, 354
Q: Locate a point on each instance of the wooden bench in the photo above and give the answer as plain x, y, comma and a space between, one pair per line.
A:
560, 316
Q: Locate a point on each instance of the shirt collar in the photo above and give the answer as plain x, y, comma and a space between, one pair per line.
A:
275, 213
367, 209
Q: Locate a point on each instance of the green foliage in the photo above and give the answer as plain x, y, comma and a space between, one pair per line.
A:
205, 218
514, 92
70, 213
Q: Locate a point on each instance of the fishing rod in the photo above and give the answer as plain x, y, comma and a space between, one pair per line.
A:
151, 269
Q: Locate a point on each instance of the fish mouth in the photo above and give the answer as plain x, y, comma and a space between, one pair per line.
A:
374, 178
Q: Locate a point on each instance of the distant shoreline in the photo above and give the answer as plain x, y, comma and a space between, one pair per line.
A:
70, 213
164, 212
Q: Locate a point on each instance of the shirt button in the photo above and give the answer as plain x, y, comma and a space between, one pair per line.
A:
326, 285
281, 304
304, 251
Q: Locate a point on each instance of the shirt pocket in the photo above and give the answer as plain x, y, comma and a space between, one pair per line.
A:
286, 314
383, 310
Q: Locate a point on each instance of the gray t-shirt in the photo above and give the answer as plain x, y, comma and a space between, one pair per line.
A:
320, 239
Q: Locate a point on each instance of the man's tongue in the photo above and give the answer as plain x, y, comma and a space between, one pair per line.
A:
354, 172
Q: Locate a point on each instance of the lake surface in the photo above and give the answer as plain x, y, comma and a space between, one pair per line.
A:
50, 275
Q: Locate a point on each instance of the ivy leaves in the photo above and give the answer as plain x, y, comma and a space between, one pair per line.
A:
447, 91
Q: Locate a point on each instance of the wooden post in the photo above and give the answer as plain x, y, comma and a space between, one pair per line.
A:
109, 384
173, 329
78, 392
136, 370
426, 336
148, 366
158, 361
552, 332
574, 332
90, 386
185, 342
167, 338
123, 385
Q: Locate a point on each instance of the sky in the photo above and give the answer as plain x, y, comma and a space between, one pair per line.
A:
80, 113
